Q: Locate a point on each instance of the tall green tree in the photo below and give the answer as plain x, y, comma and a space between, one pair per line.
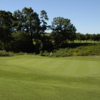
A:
19, 22
94, 37
27, 20
98, 37
78, 36
32, 20
44, 18
63, 29
87, 37
22, 42
5, 27
82, 37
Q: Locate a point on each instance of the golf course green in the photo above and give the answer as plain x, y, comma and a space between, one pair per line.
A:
32, 77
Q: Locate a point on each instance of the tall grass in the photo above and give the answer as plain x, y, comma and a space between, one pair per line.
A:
85, 50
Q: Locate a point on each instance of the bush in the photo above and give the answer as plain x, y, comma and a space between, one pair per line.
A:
22, 43
4, 53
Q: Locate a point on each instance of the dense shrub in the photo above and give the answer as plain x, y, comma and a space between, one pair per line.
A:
22, 43
1, 45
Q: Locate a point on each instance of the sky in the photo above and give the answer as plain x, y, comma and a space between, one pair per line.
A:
84, 14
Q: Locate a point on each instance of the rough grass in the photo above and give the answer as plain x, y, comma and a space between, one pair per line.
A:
30, 77
76, 49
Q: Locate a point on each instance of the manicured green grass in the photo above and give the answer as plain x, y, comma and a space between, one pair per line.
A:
30, 77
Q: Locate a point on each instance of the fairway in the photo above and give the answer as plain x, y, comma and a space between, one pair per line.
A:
31, 77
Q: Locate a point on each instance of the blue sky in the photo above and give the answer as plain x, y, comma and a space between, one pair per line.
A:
84, 14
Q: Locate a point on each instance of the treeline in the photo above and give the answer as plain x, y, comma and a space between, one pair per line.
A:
24, 31
85, 37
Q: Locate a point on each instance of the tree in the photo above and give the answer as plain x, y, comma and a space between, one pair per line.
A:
19, 22
98, 37
62, 29
91, 37
44, 18
78, 36
94, 37
32, 20
87, 37
72, 34
5, 27
22, 42
82, 37
27, 20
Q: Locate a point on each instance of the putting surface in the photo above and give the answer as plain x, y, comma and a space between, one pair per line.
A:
30, 77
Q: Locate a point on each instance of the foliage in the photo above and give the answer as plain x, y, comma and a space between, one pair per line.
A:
5, 27
22, 42
62, 30
27, 20
24, 31
4, 53
43, 18
85, 50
